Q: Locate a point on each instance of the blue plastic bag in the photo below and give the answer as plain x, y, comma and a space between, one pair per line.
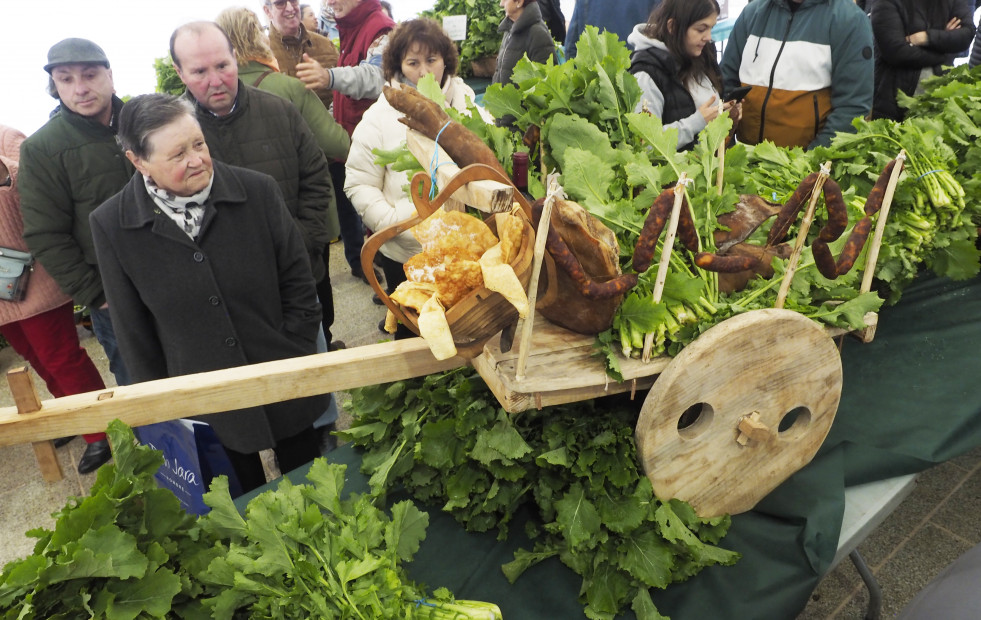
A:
192, 457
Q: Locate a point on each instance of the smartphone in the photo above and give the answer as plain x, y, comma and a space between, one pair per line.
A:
737, 94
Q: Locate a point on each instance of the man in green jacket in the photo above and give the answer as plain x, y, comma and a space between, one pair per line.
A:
68, 168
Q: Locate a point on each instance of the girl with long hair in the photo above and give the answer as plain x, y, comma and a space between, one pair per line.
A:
676, 66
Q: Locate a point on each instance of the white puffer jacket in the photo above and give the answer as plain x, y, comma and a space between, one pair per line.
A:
379, 193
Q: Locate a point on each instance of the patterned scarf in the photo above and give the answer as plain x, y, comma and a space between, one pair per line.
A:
187, 211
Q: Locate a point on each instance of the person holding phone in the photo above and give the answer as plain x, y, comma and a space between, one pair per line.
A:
674, 61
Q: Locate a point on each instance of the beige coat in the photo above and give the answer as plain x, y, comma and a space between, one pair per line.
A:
42, 292
378, 193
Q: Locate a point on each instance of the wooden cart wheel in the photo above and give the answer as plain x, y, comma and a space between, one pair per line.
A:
739, 410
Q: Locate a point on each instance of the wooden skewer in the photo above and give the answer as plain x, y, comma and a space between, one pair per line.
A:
524, 345
880, 225
722, 157
667, 245
805, 225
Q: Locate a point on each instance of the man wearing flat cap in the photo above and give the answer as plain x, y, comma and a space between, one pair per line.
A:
69, 167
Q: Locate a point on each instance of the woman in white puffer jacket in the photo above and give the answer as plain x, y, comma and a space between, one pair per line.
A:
415, 48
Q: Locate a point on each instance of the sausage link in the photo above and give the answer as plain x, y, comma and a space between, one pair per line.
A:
837, 212
651, 232
823, 259
725, 264
854, 245
874, 202
686, 227
789, 211
590, 289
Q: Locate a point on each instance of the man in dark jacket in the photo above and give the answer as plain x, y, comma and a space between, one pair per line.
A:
67, 169
247, 127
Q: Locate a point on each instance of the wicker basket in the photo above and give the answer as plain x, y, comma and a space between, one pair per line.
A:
480, 314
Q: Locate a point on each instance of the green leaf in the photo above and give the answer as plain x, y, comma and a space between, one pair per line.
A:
104, 552
649, 558
566, 131
587, 177
327, 480
430, 88
152, 595
577, 516
959, 260
523, 560
643, 606
407, 530
224, 519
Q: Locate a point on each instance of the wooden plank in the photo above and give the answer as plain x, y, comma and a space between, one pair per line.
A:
223, 390
26, 400
486, 196
560, 369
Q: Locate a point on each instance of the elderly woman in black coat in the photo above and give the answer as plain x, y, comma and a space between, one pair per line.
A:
204, 269
914, 39
524, 33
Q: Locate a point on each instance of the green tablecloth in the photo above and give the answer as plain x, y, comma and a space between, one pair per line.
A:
911, 399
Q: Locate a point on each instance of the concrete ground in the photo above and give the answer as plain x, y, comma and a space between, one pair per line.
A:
940, 519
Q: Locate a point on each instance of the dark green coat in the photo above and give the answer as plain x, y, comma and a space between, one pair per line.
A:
331, 137
69, 167
266, 133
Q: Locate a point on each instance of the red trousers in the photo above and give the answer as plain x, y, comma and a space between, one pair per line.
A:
49, 343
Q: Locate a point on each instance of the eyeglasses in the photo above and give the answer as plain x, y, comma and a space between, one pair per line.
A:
281, 4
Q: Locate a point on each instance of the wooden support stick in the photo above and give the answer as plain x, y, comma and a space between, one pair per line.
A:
880, 225
541, 235
667, 245
27, 401
805, 225
722, 157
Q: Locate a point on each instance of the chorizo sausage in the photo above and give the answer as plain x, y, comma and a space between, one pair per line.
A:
725, 264
789, 211
854, 245
823, 259
837, 212
686, 227
657, 217
874, 202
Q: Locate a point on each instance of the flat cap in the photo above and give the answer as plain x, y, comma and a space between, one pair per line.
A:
73, 51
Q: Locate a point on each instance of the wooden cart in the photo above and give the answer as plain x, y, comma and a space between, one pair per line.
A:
738, 411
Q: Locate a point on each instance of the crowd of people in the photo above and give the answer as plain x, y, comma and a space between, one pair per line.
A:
196, 229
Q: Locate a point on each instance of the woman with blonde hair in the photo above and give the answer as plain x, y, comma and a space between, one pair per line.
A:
257, 67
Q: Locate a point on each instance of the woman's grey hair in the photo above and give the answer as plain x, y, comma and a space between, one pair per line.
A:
143, 115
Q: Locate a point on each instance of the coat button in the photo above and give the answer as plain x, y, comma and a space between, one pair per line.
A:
214, 300
198, 257
230, 342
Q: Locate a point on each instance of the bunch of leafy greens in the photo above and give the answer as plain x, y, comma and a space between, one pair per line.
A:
129, 551
444, 439
126, 551
302, 551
